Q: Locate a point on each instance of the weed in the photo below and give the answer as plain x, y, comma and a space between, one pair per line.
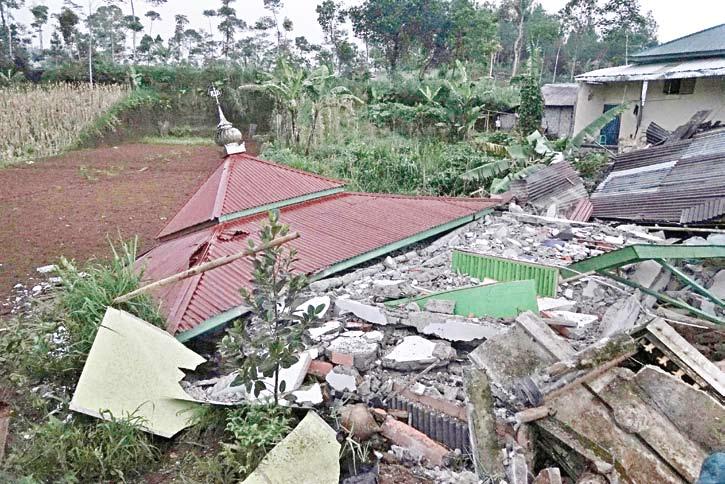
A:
86, 294
171, 140
79, 450
256, 429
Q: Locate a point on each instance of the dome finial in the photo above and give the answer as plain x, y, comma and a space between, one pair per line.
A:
226, 134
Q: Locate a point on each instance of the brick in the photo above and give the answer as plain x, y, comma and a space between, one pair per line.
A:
415, 441
319, 368
342, 359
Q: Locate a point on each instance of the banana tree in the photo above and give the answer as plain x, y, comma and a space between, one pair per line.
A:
320, 88
287, 86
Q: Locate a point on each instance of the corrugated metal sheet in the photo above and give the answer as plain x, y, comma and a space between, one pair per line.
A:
237, 185
681, 183
558, 183
583, 210
333, 229
505, 270
657, 71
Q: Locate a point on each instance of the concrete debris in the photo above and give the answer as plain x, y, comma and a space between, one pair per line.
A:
315, 302
717, 285
361, 347
309, 396
365, 312
386, 290
330, 327
442, 306
622, 316
417, 353
451, 328
309, 454
342, 379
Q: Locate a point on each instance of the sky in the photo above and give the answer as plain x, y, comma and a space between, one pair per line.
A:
675, 18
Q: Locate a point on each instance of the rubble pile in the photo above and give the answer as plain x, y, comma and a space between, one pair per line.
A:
431, 389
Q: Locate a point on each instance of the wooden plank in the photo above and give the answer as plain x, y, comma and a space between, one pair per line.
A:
688, 358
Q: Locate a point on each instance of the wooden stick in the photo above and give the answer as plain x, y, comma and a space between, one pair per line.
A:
207, 266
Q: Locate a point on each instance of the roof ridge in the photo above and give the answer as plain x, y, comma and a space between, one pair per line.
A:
422, 197
642, 53
289, 168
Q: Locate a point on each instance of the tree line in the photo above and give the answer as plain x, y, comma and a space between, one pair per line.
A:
393, 36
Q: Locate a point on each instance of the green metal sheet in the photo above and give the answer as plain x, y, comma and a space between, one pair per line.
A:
637, 253
506, 270
502, 300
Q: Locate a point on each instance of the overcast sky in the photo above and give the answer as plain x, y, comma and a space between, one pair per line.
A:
675, 18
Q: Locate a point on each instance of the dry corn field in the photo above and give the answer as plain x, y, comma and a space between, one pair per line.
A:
43, 120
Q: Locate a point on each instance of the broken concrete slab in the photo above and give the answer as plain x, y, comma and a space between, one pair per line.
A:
550, 303
442, 306
550, 475
482, 423
309, 454
633, 415
366, 312
417, 353
694, 412
123, 375
646, 273
530, 345
451, 328
414, 441
384, 290
330, 327
309, 396
621, 316
363, 348
342, 379
325, 285
717, 285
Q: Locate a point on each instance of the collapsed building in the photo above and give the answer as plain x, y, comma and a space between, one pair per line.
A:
532, 349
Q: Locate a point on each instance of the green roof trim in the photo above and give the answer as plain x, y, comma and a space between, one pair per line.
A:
283, 203
211, 324
501, 300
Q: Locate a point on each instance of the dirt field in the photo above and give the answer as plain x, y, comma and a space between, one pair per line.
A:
68, 205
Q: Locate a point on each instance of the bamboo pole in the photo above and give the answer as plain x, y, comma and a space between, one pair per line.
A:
207, 266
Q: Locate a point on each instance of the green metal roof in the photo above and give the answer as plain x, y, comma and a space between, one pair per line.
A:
706, 43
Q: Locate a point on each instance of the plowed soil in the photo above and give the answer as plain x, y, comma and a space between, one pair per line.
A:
72, 204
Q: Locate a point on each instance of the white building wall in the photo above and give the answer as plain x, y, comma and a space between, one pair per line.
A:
667, 110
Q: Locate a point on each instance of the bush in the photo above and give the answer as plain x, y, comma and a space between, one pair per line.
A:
79, 450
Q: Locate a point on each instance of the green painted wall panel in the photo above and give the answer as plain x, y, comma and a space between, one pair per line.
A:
502, 300
505, 270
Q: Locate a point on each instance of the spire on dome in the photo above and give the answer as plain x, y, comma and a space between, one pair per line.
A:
226, 134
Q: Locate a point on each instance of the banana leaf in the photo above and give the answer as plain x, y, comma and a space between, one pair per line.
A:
593, 128
487, 170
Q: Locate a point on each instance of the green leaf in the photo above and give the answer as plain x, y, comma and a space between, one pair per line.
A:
486, 171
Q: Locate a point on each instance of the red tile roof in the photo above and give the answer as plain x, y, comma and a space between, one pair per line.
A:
333, 229
244, 182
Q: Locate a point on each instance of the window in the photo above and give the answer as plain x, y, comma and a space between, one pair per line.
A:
679, 86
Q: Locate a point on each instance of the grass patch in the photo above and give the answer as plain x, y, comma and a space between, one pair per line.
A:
77, 449
174, 140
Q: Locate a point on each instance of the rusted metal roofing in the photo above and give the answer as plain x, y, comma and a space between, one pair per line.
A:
683, 182
334, 229
559, 183
242, 184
